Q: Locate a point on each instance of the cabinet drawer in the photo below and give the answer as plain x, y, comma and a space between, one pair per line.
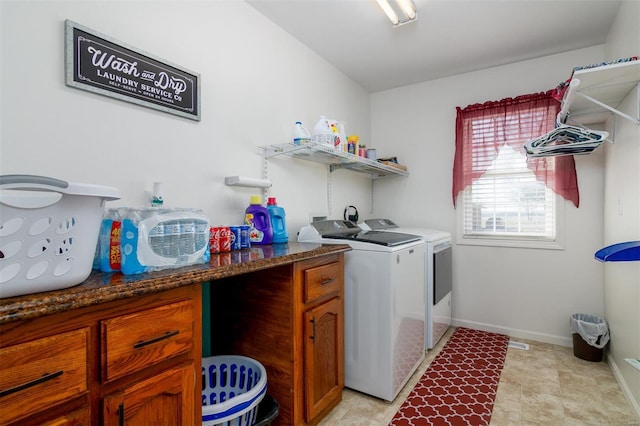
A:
322, 280
138, 340
36, 375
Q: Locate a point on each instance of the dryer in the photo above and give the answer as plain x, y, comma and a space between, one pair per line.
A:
438, 274
384, 304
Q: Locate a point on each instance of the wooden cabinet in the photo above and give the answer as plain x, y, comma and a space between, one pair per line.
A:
323, 336
164, 399
132, 362
324, 355
291, 319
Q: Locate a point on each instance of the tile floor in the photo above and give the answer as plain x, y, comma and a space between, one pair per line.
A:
544, 386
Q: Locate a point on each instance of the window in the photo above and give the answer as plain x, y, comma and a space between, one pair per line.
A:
506, 198
508, 202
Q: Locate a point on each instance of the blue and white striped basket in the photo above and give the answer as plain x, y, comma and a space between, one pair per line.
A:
233, 386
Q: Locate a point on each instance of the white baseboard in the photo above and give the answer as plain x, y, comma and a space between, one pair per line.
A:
514, 332
623, 386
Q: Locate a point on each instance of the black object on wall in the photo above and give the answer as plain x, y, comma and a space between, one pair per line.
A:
99, 64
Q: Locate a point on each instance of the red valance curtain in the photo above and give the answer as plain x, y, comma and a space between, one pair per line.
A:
482, 129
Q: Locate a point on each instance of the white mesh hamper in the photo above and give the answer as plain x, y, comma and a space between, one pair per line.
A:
48, 232
233, 386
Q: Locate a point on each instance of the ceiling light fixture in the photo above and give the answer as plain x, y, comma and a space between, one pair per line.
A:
400, 12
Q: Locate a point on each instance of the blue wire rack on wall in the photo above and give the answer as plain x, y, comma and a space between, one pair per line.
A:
621, 252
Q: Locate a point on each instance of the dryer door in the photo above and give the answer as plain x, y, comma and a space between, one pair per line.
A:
442, 274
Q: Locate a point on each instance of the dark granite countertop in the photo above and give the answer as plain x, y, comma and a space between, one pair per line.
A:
106, 287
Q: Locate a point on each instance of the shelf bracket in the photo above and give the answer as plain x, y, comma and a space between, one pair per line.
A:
371, 196
634, 120
329, 194
265, 176
567, 100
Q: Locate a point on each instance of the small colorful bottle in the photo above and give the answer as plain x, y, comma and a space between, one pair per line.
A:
257, 216
352, 143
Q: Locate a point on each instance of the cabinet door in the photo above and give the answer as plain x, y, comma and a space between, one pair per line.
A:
324, 354
164, 399
77, 418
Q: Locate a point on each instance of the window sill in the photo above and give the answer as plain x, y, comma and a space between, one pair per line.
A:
509, 242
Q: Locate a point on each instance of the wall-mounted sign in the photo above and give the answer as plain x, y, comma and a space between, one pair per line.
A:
102, 65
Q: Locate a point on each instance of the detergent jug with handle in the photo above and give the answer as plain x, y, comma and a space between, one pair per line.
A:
278, 221
257, 217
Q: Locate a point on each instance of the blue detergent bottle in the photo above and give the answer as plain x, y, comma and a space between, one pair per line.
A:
257, 217
278, 221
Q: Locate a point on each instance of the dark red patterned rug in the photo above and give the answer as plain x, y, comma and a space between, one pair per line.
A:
460, 385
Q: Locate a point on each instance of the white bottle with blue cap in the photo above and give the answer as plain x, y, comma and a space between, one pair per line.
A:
300, 135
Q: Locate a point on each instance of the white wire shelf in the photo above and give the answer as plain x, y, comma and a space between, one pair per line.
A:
601, 89
325, 154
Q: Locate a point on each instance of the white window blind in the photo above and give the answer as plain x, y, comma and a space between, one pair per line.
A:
506, 202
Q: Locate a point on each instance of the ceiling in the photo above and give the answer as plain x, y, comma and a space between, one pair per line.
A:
449, 37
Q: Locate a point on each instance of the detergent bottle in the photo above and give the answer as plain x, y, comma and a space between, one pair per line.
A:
322, 132
257, 217
278, 221
301, 135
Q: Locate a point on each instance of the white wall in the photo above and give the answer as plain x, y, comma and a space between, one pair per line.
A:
622, 213
256, 82
525, 293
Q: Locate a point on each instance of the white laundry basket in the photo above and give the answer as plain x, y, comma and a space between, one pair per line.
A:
233, 386
48, 232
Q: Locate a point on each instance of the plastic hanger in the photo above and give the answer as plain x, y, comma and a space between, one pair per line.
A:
565, 139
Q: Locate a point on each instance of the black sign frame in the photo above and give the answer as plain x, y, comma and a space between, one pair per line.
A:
103, 65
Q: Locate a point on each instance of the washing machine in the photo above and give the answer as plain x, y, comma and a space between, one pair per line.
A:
438, 273
384, 304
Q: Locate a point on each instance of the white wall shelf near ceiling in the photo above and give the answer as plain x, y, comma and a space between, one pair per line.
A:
325, 154
335, 159
601, 89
